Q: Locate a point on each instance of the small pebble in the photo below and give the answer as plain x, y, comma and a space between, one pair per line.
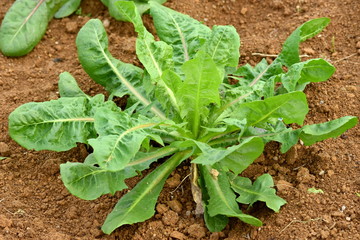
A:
106, 23
358, 45
4, 150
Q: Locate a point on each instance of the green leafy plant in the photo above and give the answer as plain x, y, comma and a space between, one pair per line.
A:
26, 21
191, 101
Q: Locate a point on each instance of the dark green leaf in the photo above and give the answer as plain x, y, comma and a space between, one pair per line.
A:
318, 132
221, 197
261, 190
138, 205
236, 158
290, 52
291, 107
216, 223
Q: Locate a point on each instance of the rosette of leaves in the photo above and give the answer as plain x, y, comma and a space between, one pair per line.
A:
26, 21
184, 102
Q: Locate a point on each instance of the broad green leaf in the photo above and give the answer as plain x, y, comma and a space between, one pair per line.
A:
24, 25
290, 51
55, 125
138, 205
250, 149
68, 86
120, 138
221, 197
291, 107
2, 158
300, 74
223, 46
200, 88
261, 190
236, 158
68, 8
89, 182
185, 34
156, 56
317, 132
117, 77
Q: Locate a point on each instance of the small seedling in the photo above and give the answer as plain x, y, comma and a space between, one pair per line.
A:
184, 101
314, 190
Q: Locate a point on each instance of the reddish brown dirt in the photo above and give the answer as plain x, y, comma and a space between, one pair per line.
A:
34, 204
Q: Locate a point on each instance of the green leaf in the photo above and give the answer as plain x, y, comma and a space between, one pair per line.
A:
216, 223
300, 74
141, 6
223, 46
250, 149
55, 125
138, 205
291, 107
156, 56
2, 158
68, 8
166, 89
221, 197
117, 77
200, 88
314, 190
261, 190
185, 34
120, 138
89, 182
24, 25
236, 158
287, 137
68, 86
318, 132
290, 52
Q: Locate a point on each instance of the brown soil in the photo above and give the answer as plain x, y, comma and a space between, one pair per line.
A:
34, 204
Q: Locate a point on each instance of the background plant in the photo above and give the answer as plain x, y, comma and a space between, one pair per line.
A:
26, 21
186, 101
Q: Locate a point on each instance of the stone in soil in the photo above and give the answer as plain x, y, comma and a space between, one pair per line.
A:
170, 218
4, 150
197, 231
174, 181
177, 235
175, 205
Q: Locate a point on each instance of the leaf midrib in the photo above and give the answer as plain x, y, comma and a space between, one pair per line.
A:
27, 19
